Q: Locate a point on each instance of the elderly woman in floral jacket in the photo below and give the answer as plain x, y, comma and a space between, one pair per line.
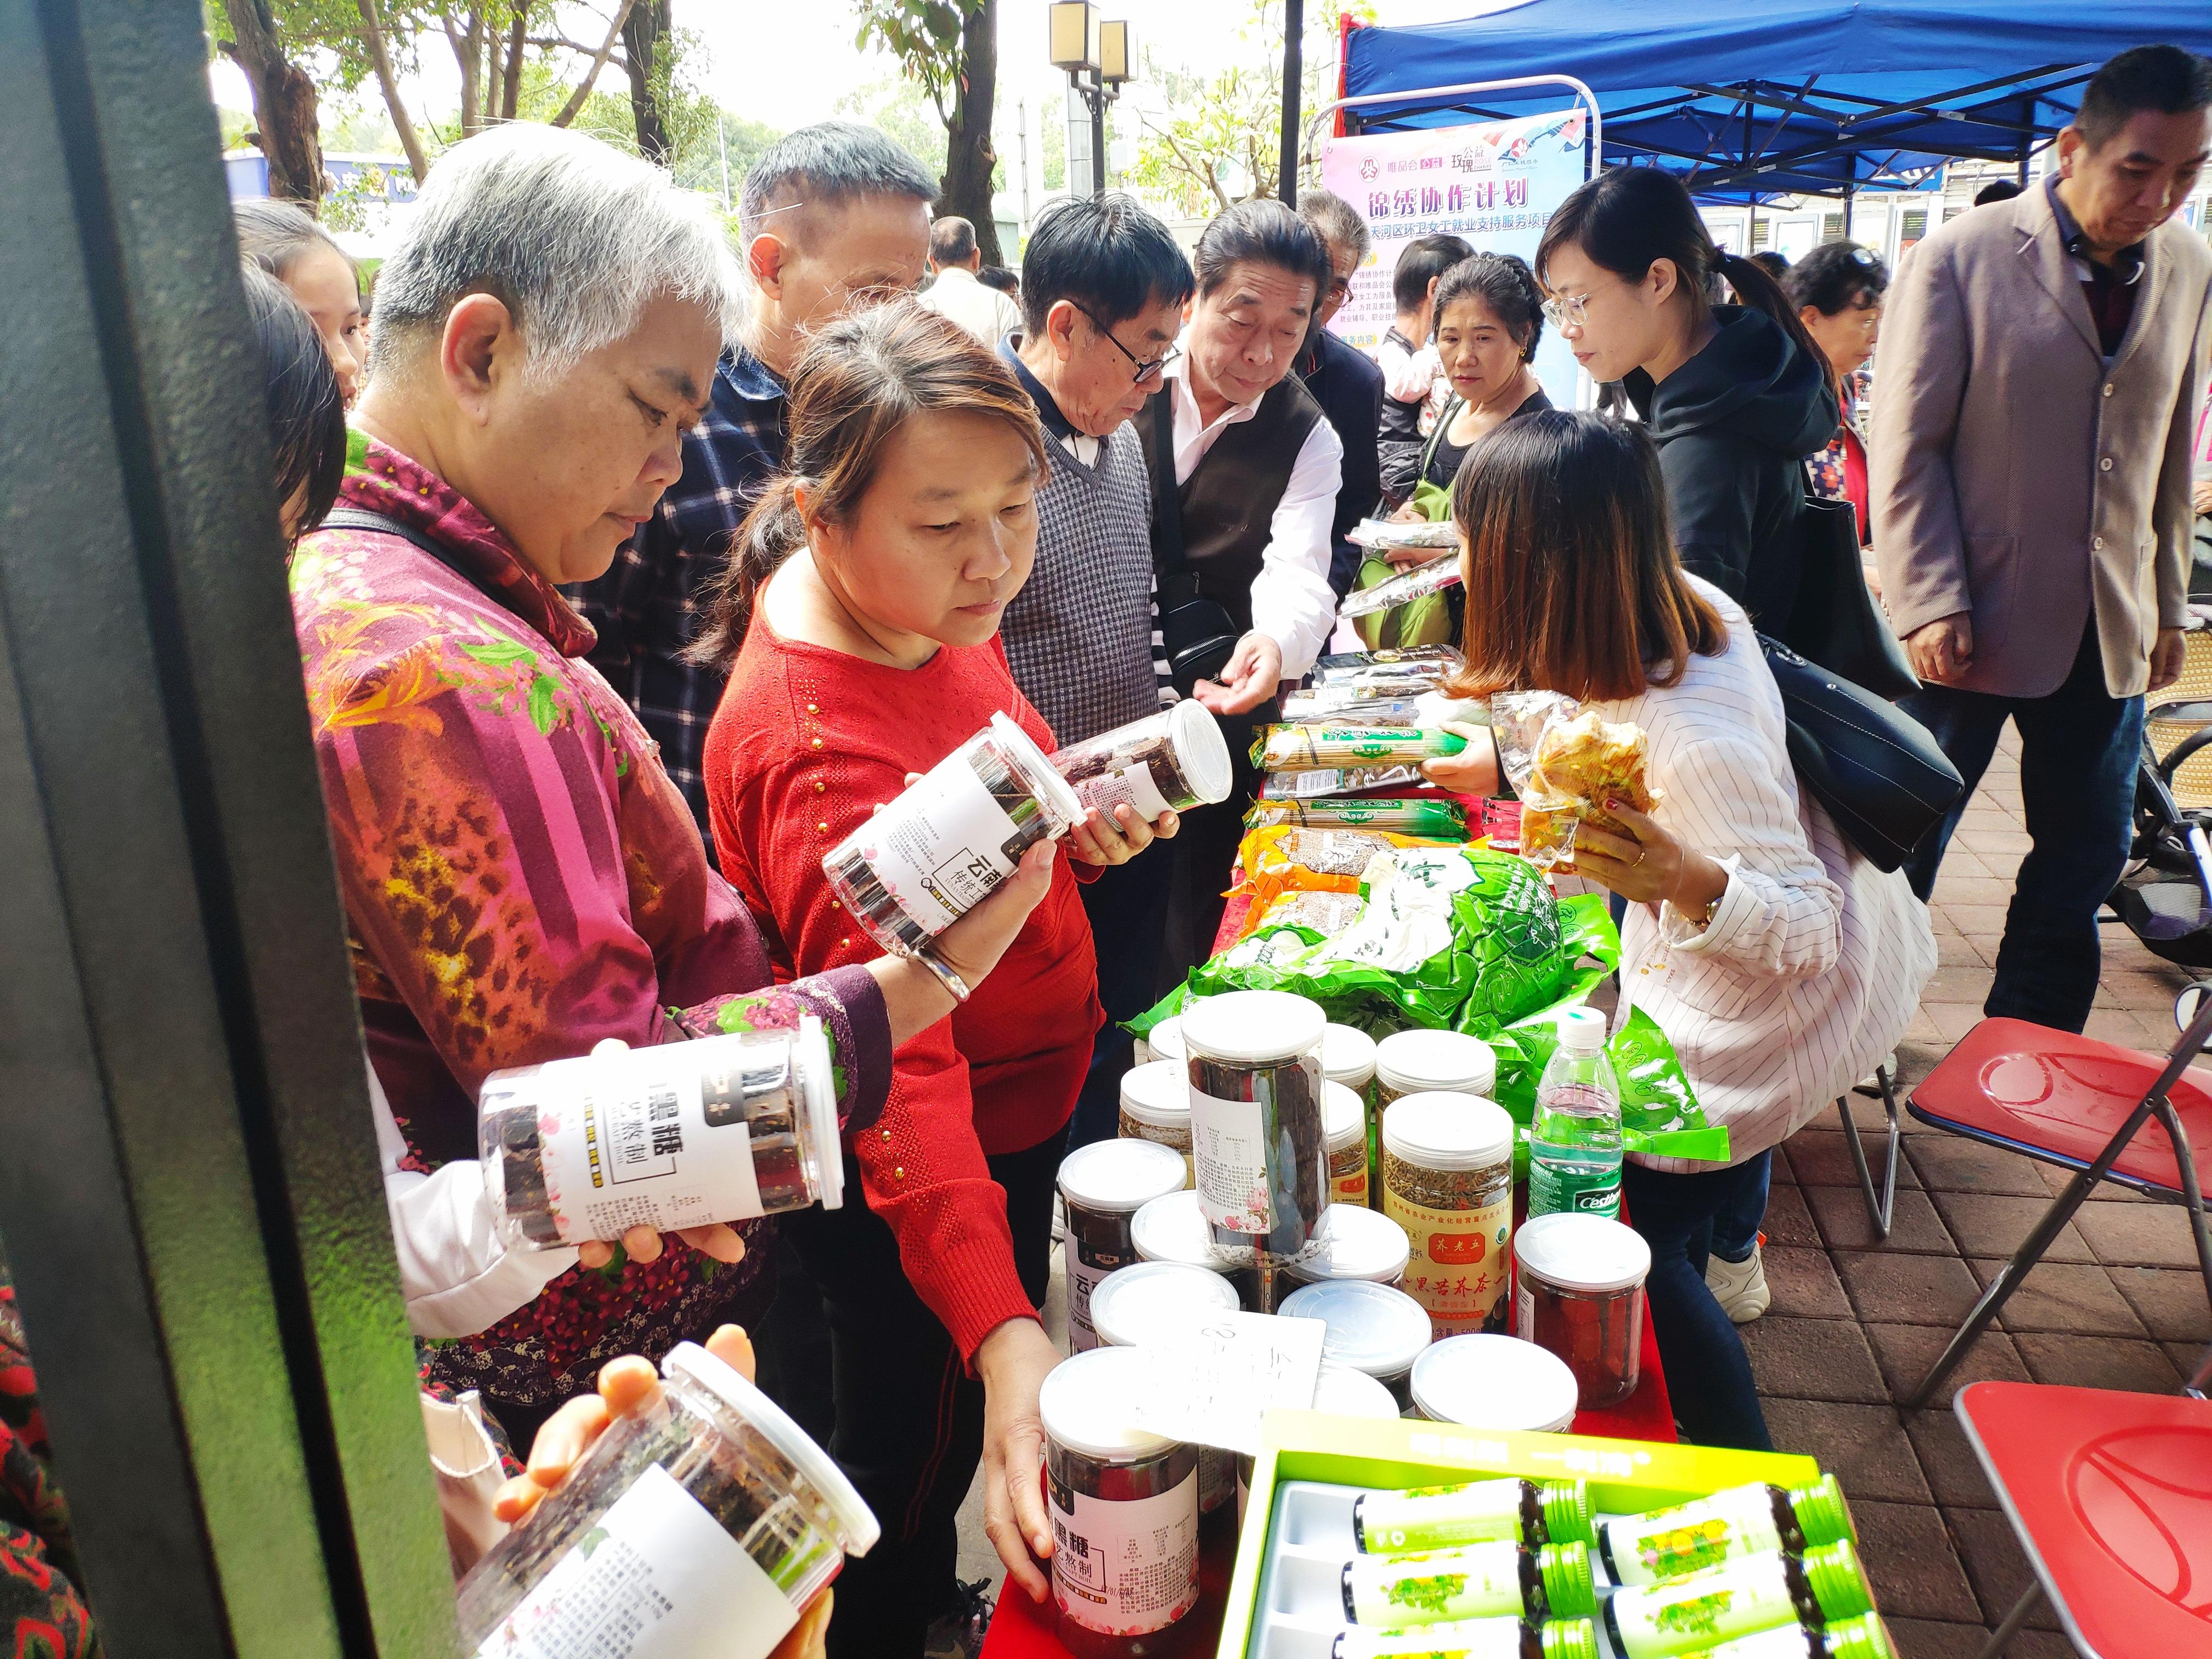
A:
520, 878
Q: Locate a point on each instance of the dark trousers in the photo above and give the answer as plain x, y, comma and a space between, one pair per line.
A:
1708, 1374
909, 1419
1736, 1228
1128, 906
1205, 853
2078, 750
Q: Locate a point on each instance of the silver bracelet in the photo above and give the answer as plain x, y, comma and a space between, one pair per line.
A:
950, 980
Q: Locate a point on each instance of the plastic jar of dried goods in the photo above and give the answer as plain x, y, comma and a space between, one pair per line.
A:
1104, 1185
1173, 1229
1448, 1180
674, 1134
710, 1521
1256, 1117
1366, 1326
936, 851
1169, 761
1580, 1293
1495, 1382
1156, 1107
1124, 1506
1347, 1056
1163, 1041
1156, 1302
1418, 1063
1344, 1126
1341, 1392
1356, 1243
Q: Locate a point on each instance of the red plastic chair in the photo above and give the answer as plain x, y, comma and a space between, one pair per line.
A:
2085, 1106
2111, 1495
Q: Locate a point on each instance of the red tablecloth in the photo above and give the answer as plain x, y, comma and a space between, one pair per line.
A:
1024, 1630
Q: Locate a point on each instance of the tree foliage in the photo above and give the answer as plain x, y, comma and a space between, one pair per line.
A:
949, 50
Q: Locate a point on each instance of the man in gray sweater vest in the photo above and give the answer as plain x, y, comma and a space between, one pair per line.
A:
1102, 290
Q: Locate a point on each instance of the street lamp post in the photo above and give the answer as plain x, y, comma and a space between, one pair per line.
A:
1099, 58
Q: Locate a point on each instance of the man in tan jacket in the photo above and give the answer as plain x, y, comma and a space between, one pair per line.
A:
2040, 367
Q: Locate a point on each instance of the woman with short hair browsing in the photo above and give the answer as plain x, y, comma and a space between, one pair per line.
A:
1778, 961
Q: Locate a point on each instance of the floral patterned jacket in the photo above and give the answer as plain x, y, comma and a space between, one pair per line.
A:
521, 880
42, 1613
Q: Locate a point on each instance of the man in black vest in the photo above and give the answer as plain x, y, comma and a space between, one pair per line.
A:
1343, 378
1257, 470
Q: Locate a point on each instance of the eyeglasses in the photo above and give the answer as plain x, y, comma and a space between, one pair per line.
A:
1338, 290
1567, 311
1142, 370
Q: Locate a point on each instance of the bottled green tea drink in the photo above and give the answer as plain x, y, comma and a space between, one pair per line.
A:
1473, 1638
1574, 1144
1757, 1593
1479, 1512
1736, 1521
1501, 1580
1862, 1637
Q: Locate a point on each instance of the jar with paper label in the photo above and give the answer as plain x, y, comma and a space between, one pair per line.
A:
1124, 1504
1777, 1591
1484, 1381
1448, 1180
1255, 1119
1103, 1186
1473, 1638
1737, 1520
1580, 1293
1156, 1107
1156, 1302
1344, 1128
674, 1134
1173, 1229
936, 851
1170, 762
1420, 1062
1340, 1391
1356, 1243
1369, 1327
705, 1524
1503, 1580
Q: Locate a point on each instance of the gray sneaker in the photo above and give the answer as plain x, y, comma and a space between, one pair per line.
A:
1740, 1286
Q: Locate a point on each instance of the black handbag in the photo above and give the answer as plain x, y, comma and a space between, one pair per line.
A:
1834, 621
1877, 770
1198, 634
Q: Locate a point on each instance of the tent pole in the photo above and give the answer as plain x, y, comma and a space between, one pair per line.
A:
1850, 195
1294, 29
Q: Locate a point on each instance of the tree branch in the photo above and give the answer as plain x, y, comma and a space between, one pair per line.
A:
380, 57
574, 106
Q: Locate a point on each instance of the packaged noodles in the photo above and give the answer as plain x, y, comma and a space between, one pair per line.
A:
1342, 780
1341, 705
1313, 748
1325, 914
1422, 666
1436, 817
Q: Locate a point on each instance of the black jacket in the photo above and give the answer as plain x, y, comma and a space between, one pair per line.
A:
1349, 387
1733, 425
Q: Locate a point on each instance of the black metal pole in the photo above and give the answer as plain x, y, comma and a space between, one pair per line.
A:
1096, 93
1294, 30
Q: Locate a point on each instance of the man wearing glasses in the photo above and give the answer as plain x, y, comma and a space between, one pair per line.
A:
1102, 291
1344, 381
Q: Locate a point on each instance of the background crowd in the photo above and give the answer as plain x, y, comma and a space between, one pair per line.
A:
631, 573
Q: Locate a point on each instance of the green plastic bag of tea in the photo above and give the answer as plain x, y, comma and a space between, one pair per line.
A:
1659, 1113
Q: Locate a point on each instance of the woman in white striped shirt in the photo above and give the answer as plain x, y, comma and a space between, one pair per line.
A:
1780, 963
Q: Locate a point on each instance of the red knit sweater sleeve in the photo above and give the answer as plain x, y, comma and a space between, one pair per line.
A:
921, 1165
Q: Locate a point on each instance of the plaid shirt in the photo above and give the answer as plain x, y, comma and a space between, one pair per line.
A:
646, 607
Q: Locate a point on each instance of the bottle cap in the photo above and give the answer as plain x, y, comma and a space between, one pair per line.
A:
1347, 1055
1582, 1031
1442, 1131
1085, 1405
1121, 1177
1174, 1229
1158, 1095
1589, 1253
1570, 1638
1253, 1027
1412, 1060
1343, 1117
1485, 1382
1838, 1585
1821, 1514
1154, 1302
1354, 1242
1569, 1591
1862, 1637
1566, 1511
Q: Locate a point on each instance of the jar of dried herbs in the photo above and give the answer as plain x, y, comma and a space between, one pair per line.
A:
1173, 1229
946, 841
1156, 1302
1356, 1243
1170, 762
1103, 1186
1485, 1382
675, 1134
708, 1521
1369, 1327
1448, 1180
1580, 1293
1416, 1062
1344, 1128
1256, 1118
1156, 1107
1124, 1506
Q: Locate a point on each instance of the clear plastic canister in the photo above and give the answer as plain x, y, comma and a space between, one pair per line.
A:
1256, 1118
709, 1521
1157, 1302
1368, 1327
1495, 1382
1579, 1292
1448, 1180
1413, 1062
1344, 1126
1156, 1107
1347, 1056
676, 1134
1124, 1507
1170, 762
1163, 1041
1356, 1243
1341, 1392
938, 850
1104, 1185
1173, 1229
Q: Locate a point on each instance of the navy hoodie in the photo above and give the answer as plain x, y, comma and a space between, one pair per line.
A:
1733, 426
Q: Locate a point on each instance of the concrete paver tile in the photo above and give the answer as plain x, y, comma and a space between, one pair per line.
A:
2056, 1179
2185, 1355
1952, 1163
1954, 1019
1821, 1157
1906, 1351
1864, 1447
1992, 1557
1914, 1565
1892, 1287
2171, 1305
1813, 1359
2065, 1296
1953, 1472
2097, 1361
1804, 1284
1987, 1225
1845, 1224
2138, 1235
1924, 1638
1787, 1221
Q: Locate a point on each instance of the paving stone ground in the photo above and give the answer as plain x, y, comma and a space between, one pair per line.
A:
1856, 1323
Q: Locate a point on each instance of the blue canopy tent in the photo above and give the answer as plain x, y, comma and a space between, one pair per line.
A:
1750, 99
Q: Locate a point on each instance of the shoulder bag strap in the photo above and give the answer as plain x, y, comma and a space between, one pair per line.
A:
1167, 499
1436, 436
362, 517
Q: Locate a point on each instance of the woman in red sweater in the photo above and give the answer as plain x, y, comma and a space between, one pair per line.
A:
860, 623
